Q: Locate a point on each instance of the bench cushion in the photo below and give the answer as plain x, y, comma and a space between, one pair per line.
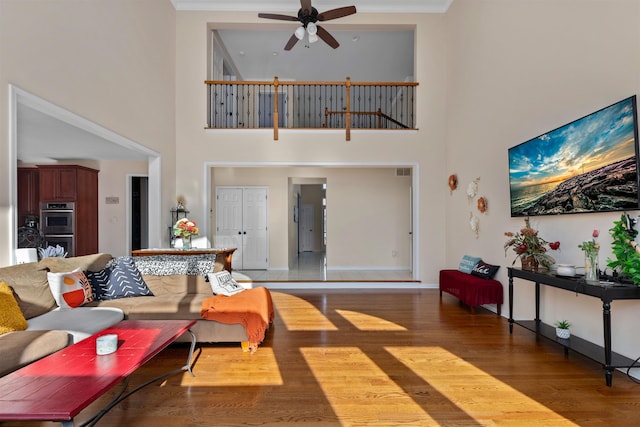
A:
471, 290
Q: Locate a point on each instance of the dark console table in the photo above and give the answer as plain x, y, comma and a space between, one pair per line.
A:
606, 292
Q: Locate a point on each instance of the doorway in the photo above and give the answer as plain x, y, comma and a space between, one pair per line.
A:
139, 212
312, 203
351, 189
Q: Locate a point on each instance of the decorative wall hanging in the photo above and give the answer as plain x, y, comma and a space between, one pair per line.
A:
453, 183
472, 188
475, 224
482, 204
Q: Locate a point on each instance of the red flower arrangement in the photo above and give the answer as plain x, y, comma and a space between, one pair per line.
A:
185, 228
526, 243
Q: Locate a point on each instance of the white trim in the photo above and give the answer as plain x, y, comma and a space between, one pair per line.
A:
13, 172
415, 174
156, 227
370, 6
314, 131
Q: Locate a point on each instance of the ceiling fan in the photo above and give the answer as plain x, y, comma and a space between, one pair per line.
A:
308, 16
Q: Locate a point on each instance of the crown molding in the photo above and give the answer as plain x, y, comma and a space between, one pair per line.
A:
370, 6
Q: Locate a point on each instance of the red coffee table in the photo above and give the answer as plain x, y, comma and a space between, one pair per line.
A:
59, 386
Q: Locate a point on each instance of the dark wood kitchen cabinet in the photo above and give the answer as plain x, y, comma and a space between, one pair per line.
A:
58, 183
78, 184
28, 194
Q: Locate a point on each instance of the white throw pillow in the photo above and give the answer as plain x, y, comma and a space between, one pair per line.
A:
223, 284
70, 290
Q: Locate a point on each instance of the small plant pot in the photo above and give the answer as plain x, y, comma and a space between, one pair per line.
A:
563, 333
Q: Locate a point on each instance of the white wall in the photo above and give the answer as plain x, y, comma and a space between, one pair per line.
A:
516, 70
198, 147
367, 212
114, 180
110, 61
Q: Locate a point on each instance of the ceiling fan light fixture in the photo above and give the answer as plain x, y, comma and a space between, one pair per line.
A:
312, 29
308, 16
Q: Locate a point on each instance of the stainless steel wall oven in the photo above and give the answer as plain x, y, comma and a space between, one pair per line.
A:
57, 223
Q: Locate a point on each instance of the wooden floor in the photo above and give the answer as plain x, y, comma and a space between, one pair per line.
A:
383, 358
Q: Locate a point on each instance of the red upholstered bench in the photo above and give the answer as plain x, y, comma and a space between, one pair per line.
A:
471, 290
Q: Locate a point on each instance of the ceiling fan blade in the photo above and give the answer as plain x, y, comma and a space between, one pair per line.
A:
336, 13
291, 43
328, 38
306, 5
276, 16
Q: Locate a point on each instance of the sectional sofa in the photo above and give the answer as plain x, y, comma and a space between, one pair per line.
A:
170, 294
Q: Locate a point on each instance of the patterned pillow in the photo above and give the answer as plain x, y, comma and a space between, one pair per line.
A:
119, 280
467, 263
484, 270
223, 284
70, 290
11, 318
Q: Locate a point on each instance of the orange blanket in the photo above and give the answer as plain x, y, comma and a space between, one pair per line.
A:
253, 308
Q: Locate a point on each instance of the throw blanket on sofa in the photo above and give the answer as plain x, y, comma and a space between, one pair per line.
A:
253, 308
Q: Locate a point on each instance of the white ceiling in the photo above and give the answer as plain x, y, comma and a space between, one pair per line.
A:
43, 136
363, 55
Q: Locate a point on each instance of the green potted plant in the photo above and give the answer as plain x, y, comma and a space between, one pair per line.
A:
562, 329
625, 250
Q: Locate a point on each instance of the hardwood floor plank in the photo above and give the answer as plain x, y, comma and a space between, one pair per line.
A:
378, 358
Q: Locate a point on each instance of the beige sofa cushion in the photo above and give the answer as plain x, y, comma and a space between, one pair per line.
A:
29, 281
177, 284
167, 306
93, 262
18, 349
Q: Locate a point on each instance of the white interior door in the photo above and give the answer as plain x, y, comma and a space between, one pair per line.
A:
241, 222
306, 228
229, 221
254, 224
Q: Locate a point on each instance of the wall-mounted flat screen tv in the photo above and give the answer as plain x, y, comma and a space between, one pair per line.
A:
588, 165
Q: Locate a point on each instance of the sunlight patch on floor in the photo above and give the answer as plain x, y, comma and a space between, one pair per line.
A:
351, 381
366, 322
300, 315
239, 368
478, 394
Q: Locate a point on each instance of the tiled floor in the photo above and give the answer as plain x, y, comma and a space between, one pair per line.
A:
312, 266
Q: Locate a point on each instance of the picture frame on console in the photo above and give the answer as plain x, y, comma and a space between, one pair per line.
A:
588, 165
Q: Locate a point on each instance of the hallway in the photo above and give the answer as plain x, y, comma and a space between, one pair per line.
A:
312, 267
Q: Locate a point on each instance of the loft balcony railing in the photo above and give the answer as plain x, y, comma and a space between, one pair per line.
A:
310, 105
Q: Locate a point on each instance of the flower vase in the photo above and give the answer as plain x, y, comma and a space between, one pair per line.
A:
186, 242
591, 267
529, 263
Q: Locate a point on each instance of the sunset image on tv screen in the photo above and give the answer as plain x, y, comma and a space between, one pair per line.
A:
589, 165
